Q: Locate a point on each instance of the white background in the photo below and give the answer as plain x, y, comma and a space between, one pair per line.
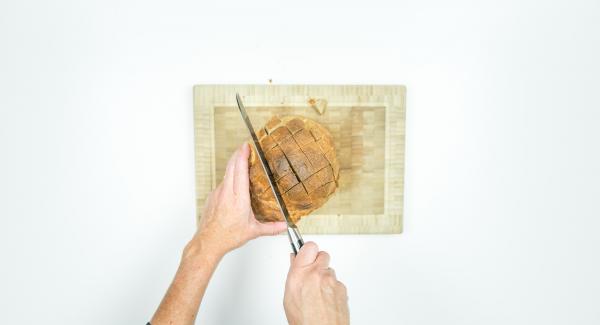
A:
502, 156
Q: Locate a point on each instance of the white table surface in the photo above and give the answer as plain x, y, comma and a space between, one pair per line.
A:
502, 156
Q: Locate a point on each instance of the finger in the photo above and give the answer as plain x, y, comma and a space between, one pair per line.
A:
331, 272
270, 228
217, 192
342, 296
292, 256
307, 255
207, 201
323, 259
343, 288
240, 177
218, 189
211, 196
229, 172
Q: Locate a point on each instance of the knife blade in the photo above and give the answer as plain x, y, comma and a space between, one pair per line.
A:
294, 236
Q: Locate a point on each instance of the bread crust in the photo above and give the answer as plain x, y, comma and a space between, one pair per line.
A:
302, 157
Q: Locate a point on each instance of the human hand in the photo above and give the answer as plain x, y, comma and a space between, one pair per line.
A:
227, 221
313, 295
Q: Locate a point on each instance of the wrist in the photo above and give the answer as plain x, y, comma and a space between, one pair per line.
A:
200, 249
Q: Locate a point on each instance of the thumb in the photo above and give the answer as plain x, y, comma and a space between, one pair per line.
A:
270, 228
306, 256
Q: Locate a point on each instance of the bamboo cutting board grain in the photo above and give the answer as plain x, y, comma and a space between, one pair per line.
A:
366, 123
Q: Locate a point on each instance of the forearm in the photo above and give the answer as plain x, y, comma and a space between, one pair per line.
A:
227, 223
182, 300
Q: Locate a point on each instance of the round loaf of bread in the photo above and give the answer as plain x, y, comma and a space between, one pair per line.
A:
301, 155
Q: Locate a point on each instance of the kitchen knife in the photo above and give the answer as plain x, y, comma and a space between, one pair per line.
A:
293, 234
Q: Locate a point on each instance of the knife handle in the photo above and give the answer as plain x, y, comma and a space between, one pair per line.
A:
295, 239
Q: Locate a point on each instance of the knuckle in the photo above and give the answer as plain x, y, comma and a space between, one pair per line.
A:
331, 271
323, 258
324, 255
326, 277
315, 277
314, 274
331, 279
310, 245
342, 287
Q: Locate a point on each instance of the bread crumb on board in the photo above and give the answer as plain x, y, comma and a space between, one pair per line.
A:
319, 105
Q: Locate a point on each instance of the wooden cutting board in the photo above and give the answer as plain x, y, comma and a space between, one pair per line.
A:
367, 125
